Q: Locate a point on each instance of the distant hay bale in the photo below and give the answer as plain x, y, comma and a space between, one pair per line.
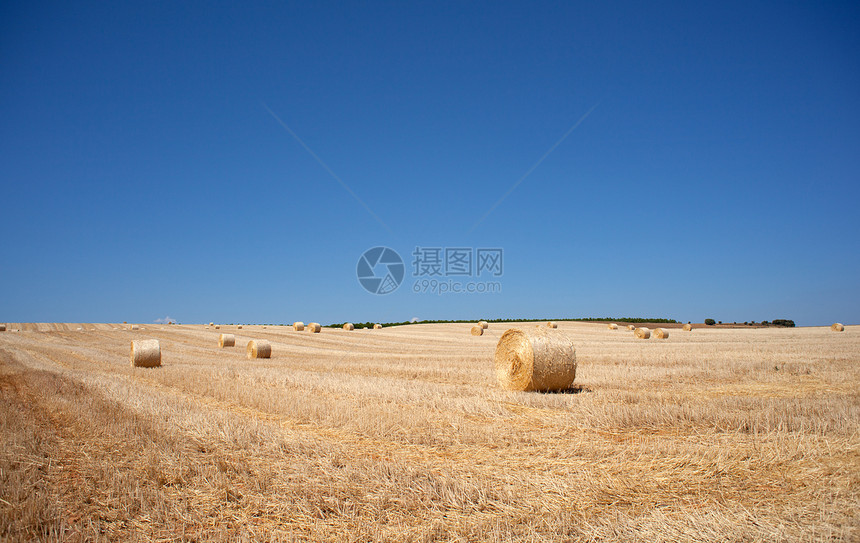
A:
688, 327
377, 326
134, 327
837, 327
483, 324
2, 327
145, 353
314, 327
259, 348
211, 324
642, 333
299, 326
349, 326
659, 333
226, 340
217, 326
552, 324
239, 327
631, 327
477, 330
535, 359
613, 326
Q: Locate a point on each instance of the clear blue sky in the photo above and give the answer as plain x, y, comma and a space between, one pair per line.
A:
143, 175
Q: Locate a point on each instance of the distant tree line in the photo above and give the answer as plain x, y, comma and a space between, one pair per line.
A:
449, 321
775, 322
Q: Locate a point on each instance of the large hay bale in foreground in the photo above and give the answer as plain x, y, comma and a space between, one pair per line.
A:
145, 353
659, 333
477, 330
377, 326
483, 324
314, 327
688, 327
226, 340
837, 327
642, 333
613, 326
299, 326
259, 348
552, 324
631, 327
535, 359
349, 326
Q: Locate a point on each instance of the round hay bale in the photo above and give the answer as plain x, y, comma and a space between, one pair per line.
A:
217, 326
631, 327
299, 326
688, 327
659, 333
239, 327
314, 327
535, 359
642, 333
477, 330
259, 348
552, 324
134, 327
145, 353
837, 327
483, 324
613, 326
377, 326
349, 326
2, 327
211, 324
226, 340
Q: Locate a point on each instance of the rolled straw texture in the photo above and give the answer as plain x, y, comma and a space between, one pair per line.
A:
259, 348
145, 353
535, 359
226, 340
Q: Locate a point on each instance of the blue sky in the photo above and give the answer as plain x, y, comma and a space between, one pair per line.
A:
714, 172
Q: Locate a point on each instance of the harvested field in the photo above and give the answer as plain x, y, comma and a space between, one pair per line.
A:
405, 435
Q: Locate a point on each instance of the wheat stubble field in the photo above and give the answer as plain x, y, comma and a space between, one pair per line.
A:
402, 434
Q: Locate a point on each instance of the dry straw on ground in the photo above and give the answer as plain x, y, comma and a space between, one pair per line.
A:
688, 327
477, 330
299, 326
552, 324
483, 324
660, 333
226, 340
377, 327
314, 327
837, 327
349, 326
642, 333
259, 348
535, 359
613, 326
145, 353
